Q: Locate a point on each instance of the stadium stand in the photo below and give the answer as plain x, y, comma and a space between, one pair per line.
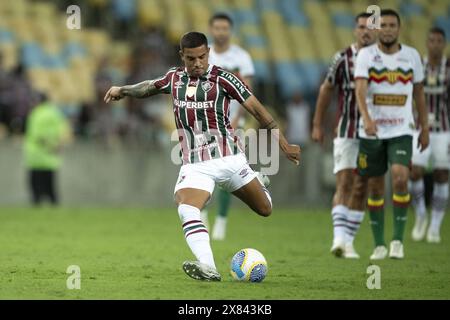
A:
291, 41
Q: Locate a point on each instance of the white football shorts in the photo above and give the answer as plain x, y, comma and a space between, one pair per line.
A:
345, 153
230, 173
438, 151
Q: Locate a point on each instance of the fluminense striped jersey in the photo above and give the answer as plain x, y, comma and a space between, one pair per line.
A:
436, 87
340, 74
201, 107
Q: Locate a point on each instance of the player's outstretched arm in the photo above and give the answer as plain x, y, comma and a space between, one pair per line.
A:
419, 98
323, 101
142, 89
257, 110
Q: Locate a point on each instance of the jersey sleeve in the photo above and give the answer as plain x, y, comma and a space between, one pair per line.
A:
418, 68
362, 64
335, 69
247, 69
233, 86
164, 83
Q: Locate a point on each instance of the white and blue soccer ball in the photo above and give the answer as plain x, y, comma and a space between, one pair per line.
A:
249, 265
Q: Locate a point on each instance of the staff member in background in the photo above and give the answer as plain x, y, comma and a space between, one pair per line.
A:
46, 132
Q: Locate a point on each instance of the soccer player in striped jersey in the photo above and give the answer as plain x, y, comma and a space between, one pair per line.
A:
345, 222
234, 59
437, 89
388, 77
210, 151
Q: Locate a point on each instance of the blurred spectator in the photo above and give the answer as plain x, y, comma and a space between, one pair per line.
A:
101, 113
46, 132
298, 114
144, 122
15, 93
5, 109
124, 12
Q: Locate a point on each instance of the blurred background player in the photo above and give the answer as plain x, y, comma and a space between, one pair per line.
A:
234, 59
345, 222
201, 92
388, 77
437, 86
46, 131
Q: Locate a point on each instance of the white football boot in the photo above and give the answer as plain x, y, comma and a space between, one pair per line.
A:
200, 271
350, 252
420, 228
379, 253
338, 247
396, 250
433, 236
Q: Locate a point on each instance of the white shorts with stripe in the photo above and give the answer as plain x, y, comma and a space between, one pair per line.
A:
438, 151
230, 173
345, 153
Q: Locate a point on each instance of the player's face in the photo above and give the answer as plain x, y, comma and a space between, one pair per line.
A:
220, 30
364, 36
195, 60
435, 44
389, 30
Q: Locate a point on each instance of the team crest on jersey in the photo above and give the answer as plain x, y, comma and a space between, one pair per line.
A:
207, 85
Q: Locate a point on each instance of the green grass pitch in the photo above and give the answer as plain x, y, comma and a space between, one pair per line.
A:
137, 254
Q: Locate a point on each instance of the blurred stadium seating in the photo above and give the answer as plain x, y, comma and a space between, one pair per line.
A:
290, 40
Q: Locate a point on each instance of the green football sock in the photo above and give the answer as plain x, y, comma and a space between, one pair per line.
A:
376, 212
401, 203
224, 203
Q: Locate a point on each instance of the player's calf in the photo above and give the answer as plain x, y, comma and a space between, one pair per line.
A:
256, 197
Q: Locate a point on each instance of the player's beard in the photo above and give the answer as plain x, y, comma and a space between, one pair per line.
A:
366, 41
388, 44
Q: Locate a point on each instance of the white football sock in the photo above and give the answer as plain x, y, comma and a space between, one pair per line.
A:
204, 218
339, 216
354, 219
196, 234
418, 198
439, 204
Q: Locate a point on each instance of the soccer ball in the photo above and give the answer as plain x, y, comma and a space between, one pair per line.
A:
249, 265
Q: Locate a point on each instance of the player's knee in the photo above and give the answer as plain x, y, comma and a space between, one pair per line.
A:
265, 209
400, 183
415, 174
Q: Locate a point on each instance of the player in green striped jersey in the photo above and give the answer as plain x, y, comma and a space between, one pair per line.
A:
211, 153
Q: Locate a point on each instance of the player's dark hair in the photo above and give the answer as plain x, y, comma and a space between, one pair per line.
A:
437, 30
221, 16
193, 40
362, 15
390, 12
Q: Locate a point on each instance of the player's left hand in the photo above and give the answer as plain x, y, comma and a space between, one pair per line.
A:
424, 139
292, 152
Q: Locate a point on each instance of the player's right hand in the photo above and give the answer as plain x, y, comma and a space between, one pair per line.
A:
370, 127
317, 134
292, 152
114, 93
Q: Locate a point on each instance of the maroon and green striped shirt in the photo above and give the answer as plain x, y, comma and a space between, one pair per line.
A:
340, 74
437, 88
201, 107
